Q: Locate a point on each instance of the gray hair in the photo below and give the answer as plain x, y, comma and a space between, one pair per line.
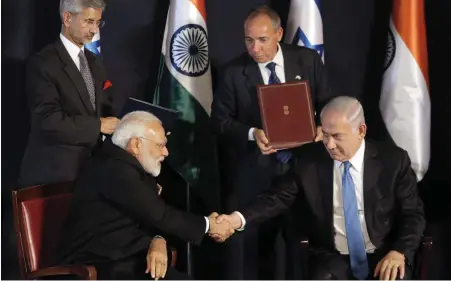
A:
350, 107
132, 125
264, 10
76, 6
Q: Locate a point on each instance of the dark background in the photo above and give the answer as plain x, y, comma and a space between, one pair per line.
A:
354, 37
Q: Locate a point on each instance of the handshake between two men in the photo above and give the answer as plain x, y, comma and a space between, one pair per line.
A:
224, 226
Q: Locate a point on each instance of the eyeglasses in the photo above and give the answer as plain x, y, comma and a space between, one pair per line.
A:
159, 146
91, 23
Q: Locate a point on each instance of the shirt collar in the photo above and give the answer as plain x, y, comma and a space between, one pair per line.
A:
71, 48
357, 160
278, 58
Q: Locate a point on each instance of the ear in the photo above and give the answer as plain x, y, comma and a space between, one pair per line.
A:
67, 19
135, 146
362, 131
279, 34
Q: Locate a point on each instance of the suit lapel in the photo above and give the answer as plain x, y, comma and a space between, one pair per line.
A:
253, 77
292, 66
372, 168
252, 73
325, 176
92, 60
74, 74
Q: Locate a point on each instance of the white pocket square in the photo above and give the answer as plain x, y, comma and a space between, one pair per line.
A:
297, 77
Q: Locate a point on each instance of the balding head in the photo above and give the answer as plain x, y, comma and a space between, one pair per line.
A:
142, 135
344, 128
349, 107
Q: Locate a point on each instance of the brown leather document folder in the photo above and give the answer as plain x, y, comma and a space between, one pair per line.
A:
287, 114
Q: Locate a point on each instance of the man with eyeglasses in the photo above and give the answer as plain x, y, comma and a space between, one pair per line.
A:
69, 97
117, 221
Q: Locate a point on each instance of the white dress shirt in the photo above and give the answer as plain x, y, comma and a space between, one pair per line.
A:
356, 171
72, 49
280, 72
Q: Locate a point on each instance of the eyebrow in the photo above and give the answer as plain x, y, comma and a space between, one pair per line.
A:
332, 134
261, 37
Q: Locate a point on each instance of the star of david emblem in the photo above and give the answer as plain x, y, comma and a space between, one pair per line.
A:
301, 39
94, 47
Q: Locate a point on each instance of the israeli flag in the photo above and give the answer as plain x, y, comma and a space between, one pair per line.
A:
94, 46
305, 25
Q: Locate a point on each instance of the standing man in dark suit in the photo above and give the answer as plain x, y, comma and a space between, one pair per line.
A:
117, 220
250, 161
69, 100
362, 211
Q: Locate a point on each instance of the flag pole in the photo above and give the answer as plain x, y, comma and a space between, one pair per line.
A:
189, 262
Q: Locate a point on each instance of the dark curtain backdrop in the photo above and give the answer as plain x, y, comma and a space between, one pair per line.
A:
354, 36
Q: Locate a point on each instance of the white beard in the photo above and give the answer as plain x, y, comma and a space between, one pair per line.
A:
150, 164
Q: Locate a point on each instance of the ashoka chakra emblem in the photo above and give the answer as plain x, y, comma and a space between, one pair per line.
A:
189, 50
390, 50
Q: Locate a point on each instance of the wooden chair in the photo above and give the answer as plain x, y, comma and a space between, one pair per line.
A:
424, 258
39, 215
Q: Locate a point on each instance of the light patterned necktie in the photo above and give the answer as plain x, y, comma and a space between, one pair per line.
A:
87, 76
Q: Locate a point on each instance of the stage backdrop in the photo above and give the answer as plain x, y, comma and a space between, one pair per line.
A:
355, 35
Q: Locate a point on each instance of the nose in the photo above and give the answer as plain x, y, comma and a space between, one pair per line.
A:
165, 152
330, 144
256, 46
94, 29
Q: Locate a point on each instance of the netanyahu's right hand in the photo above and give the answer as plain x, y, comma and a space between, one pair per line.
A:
219, 231
236, 221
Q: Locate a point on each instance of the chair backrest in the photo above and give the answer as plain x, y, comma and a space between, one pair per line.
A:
39, 214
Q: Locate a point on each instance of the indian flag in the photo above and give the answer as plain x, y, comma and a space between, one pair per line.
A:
184, 84
405, 103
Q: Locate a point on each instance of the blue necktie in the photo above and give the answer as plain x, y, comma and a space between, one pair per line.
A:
354, 234
282, 155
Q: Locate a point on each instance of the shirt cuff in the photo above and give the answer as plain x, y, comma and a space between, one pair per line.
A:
250, 135
243, 221
207, 224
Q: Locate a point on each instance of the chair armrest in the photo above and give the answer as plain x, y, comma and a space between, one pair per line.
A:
87, 272
304, 243
425, 256
426, 243
173, 256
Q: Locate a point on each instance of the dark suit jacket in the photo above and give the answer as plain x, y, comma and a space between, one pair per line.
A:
235, 110
65, 129
393, 210
116, 211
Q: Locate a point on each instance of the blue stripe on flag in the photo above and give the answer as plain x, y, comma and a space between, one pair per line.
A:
93, 47
300, 36
318, 2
